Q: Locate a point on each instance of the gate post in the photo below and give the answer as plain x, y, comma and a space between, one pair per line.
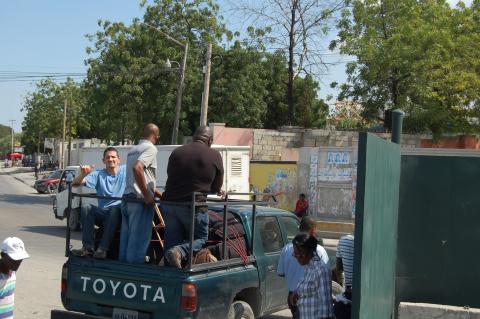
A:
397, 120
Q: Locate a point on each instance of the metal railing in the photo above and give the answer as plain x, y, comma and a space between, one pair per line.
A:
225, 202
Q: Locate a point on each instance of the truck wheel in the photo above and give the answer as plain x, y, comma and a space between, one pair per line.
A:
74, 220
240, 310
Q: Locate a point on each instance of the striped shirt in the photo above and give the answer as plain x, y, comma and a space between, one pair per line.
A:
315, 291
7, 289
345, 251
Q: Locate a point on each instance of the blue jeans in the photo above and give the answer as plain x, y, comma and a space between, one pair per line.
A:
136, 231
177, 231
108, 217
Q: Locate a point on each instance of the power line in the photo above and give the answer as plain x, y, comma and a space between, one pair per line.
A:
29, 76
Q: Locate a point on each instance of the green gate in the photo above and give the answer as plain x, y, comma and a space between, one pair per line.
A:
376, 228
438, 230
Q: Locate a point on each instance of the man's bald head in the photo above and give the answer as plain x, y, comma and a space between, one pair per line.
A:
151, 132
203, 134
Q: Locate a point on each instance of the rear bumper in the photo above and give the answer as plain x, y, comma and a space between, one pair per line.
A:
62, 314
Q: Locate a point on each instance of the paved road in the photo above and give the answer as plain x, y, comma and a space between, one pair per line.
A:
28, 215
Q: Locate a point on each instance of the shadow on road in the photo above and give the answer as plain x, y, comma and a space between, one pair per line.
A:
27, 199
58, 231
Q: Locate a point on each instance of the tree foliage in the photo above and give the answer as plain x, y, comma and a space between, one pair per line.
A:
419, 56
44, 110
295, 27
128, 85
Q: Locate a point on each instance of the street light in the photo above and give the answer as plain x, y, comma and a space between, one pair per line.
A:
181, 79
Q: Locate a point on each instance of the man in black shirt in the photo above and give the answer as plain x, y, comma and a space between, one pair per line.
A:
194, 167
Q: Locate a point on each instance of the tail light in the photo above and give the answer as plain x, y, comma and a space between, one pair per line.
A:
64, 279
189, 297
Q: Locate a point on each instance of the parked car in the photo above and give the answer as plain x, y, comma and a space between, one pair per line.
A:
49, 183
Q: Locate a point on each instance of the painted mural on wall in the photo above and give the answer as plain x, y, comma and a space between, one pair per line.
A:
280, 179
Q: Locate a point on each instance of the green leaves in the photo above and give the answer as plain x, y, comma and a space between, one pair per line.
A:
127, 84
422, 57
44, 110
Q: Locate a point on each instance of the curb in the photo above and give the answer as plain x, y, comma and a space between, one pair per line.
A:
334, 230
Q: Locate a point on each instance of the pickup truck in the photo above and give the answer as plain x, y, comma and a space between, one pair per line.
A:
232, 287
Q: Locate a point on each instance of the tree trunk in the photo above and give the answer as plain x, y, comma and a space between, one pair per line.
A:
291, 46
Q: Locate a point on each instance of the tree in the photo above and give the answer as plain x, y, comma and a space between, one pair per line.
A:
296, 29
129, 86
419, 56
6, 139
127, 76
44, 110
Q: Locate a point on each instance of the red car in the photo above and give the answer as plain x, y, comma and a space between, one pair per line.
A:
48, 184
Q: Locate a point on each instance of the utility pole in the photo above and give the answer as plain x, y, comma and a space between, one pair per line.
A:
13, 145
180, 85
178, 105
70, 129
62, 149
206, 87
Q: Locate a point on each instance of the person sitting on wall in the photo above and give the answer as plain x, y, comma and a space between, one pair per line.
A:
301, 208
110, 182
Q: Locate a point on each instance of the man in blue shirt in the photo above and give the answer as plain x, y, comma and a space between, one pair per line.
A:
109, 182
290, 268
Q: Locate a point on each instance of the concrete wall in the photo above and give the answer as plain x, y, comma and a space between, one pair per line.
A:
462, 141
328, 175
273, 145
409, 310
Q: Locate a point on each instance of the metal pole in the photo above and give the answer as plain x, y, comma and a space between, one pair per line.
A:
192, 231
206, 87
178, 105
254, 214
69, 181
62, 149
397, 120
13, 133
225, 229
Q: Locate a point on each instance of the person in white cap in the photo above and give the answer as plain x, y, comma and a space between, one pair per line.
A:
13, 252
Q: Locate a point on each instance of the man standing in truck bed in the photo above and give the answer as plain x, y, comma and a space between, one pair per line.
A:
141, 179
194, 167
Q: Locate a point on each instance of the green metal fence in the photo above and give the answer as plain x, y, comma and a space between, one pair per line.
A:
376, 228
439, 230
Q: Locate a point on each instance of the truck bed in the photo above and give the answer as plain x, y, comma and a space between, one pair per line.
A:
98, 287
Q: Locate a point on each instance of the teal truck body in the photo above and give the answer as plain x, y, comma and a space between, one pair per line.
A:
112, 289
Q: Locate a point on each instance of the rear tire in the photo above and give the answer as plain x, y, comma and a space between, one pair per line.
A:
74, 220
240, 310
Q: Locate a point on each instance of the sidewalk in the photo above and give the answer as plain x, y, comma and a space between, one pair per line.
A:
22, 174
334, 229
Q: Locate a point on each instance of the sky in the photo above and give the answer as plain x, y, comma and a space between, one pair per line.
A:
49, 36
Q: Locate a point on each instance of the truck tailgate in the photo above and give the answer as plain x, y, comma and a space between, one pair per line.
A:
106, 287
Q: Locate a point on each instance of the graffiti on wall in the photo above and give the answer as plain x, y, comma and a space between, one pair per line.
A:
279, 179
331, 181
